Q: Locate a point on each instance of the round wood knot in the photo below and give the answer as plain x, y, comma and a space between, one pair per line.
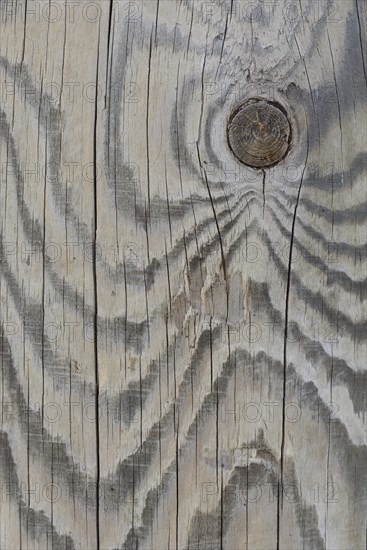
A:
259, 133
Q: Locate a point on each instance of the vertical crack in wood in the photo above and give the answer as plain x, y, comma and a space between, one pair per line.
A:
284, 391
95, 285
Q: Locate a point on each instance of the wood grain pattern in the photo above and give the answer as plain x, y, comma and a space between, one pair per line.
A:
183, 338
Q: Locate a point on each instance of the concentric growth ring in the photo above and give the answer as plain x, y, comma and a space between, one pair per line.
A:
259, 133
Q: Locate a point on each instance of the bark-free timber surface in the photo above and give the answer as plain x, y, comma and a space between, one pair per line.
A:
214, 315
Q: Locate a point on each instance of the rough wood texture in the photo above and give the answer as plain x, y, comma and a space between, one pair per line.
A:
183, 338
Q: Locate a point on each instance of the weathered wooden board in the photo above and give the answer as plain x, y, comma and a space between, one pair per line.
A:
183, 338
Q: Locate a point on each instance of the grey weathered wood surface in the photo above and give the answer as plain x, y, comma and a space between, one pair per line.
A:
214, 315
